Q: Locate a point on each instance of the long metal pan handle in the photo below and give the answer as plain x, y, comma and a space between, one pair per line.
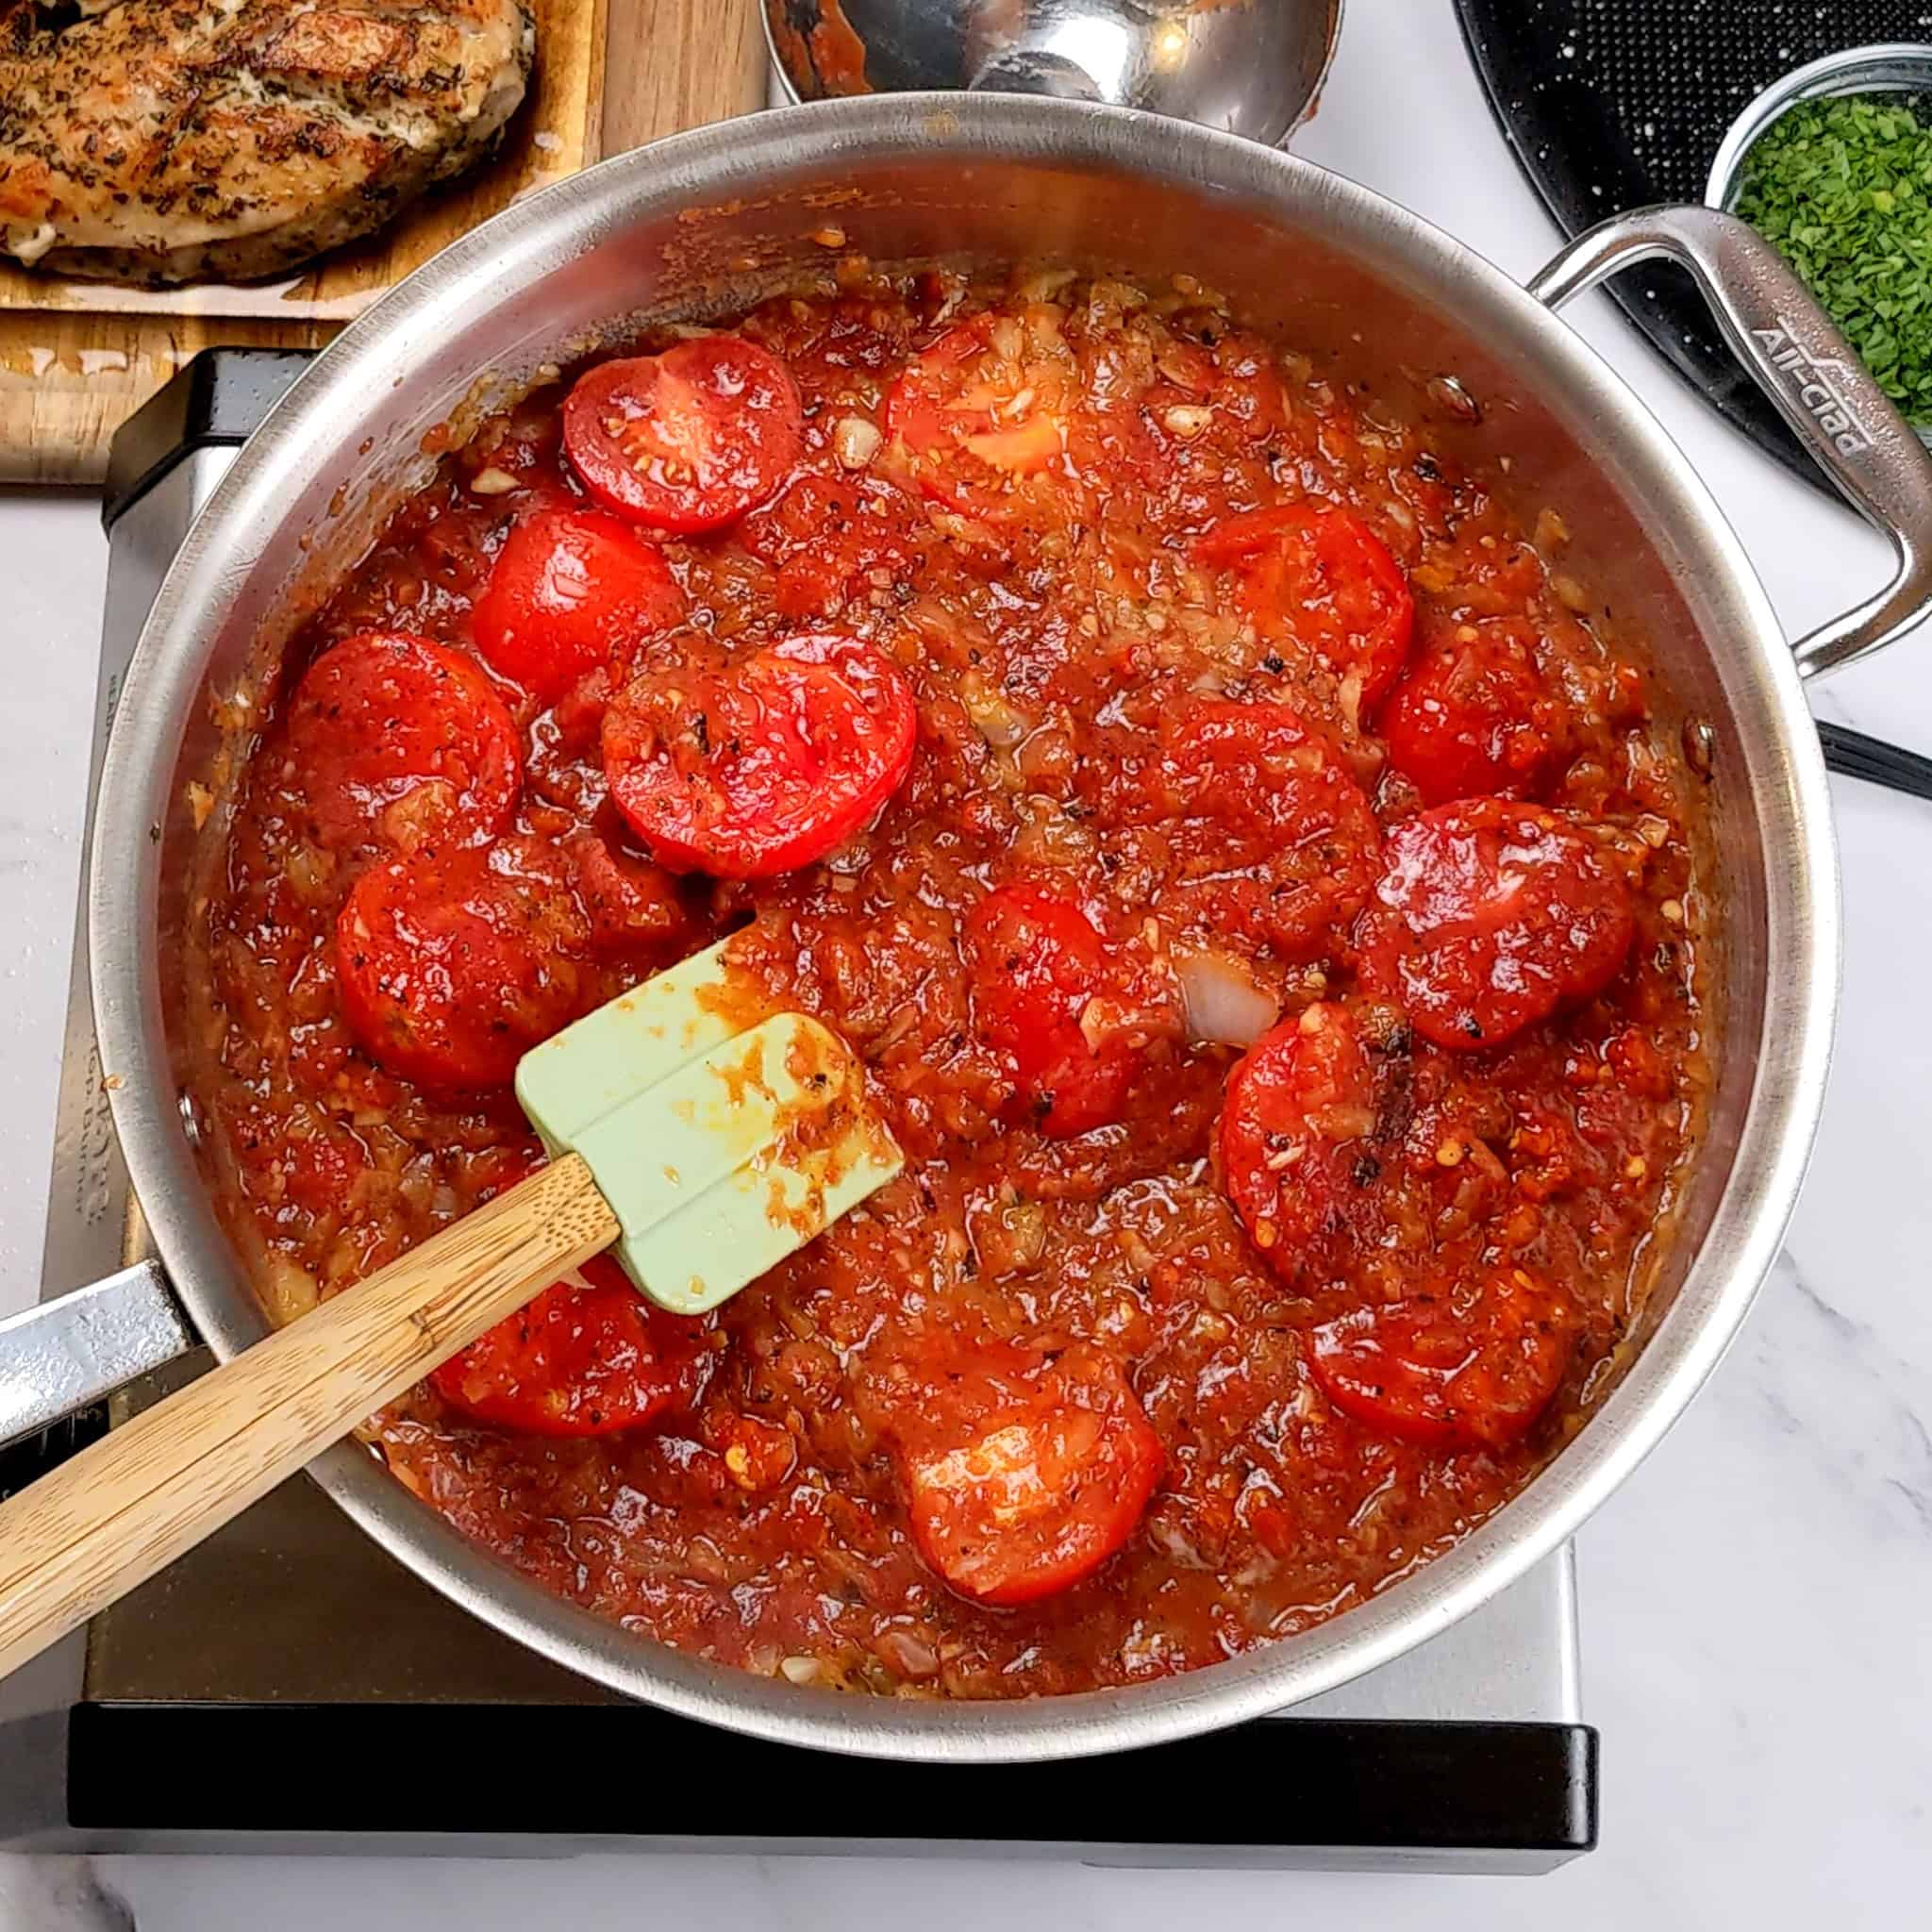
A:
1812, 373
77, 1349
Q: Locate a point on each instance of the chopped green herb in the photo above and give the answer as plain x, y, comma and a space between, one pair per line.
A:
1842, 188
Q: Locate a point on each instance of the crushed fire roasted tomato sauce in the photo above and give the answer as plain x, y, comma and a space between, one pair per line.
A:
1064, 691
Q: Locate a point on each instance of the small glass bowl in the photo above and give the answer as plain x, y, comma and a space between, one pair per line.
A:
1896, 67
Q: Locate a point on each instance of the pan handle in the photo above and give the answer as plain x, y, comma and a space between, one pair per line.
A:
77, 1349
1814, 377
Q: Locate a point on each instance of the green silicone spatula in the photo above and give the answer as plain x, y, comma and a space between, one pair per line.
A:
699, 1144
720, 1147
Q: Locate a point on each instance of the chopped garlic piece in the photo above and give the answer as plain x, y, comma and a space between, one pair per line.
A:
855, 441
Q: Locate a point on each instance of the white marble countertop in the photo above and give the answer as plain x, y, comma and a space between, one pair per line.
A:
1755, 1601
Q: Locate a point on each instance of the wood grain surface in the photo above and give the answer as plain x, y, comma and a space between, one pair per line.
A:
128, 1504
77, 359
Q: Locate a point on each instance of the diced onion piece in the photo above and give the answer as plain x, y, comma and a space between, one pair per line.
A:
1221, 1001
855, 442
907, 1655
1001, 724
287, 1288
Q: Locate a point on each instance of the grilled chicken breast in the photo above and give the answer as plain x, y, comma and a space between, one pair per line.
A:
173, 140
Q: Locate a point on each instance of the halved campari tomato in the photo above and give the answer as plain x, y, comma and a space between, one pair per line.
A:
1492, 915
1038, 964
571, 591
982, 410
1472, 720
1026, 1470
1270, 839
1464, 1366
687, 440
391, 738
1322, 576
764, 763
589, 1357
1294, 1146
451, 966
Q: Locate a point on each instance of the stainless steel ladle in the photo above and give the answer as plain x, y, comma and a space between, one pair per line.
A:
1251, 67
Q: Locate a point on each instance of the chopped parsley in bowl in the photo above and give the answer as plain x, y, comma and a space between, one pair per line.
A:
1842, 188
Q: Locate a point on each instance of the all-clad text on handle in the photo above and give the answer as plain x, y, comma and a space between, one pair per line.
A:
1814, 377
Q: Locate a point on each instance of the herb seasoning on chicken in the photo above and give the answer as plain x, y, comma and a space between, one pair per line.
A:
223, 139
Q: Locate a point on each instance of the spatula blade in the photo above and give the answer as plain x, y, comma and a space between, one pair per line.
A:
721, 1147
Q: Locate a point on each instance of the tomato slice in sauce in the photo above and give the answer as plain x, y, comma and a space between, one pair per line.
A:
1323, 576
687, 440
589, 1357
1490, 916
978, 412
1462, 1368
451, 966
571, 590
1294, 1146
1024, 1472
1037, 962
765, 764
391, 736
1473, 719
1275, 843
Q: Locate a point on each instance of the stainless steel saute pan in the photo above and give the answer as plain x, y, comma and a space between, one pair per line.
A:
695, 224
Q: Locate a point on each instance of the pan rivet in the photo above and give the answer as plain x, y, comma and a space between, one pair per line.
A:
1700, 745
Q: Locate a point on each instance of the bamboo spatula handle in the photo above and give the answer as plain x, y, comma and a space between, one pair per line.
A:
127, 1505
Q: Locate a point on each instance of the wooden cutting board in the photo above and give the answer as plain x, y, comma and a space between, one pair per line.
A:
77, 359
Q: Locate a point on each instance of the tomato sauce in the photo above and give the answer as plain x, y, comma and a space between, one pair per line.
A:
1058, 689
